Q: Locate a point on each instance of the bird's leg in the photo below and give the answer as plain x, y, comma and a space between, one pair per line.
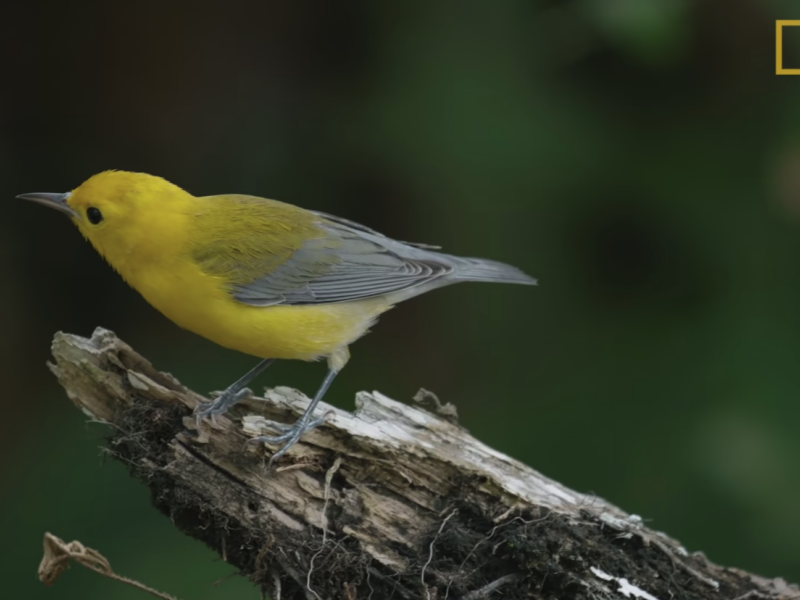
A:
292, 433
231, 395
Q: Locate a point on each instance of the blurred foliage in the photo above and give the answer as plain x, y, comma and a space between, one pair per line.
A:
638, 156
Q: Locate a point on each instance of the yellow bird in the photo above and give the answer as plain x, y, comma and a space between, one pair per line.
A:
256, 275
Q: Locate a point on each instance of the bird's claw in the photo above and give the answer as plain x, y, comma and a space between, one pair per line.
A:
220, 405
290, 435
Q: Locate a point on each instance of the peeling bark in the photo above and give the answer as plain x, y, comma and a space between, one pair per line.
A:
387, 502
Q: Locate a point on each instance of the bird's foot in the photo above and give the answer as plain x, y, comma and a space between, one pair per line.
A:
220, 405
290, 434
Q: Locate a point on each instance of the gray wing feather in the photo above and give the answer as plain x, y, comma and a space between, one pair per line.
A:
364, 229
351, 262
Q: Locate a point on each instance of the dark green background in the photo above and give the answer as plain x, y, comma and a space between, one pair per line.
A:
640, 157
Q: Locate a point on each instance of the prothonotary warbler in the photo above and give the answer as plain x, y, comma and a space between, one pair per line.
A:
256, 275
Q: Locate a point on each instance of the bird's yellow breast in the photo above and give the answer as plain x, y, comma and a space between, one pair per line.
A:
202, 304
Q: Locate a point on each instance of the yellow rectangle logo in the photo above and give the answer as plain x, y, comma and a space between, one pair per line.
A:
779, 25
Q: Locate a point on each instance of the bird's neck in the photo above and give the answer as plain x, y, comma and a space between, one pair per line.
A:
149, 247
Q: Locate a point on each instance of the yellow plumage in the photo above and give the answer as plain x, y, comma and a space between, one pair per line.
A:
182, 254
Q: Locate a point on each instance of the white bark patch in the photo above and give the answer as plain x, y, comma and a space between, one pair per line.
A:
626, 588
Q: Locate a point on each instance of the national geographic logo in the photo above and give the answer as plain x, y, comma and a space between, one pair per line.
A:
779, 27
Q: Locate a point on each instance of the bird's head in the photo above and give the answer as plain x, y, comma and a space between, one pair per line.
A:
122, 213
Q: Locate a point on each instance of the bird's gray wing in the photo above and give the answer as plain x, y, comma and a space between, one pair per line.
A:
348, 262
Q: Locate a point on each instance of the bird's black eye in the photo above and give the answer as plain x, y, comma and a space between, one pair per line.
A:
94, 215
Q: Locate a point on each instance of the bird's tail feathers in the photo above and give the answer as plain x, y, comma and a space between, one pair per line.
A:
482, 269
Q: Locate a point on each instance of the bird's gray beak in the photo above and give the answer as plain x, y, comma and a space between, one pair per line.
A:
57, 201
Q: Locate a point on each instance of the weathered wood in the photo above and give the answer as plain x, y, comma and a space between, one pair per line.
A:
387, 502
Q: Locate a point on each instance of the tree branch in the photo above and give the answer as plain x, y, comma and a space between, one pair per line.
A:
387, 502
